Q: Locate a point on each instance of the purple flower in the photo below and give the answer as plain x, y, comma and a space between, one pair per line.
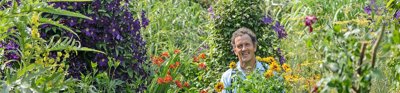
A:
72, 21
145, 21
11, 46
309, 20
281, 57
12, 56
367, 9
210, 11
280, 30
267, 20
96, 5
101, 60
397, 14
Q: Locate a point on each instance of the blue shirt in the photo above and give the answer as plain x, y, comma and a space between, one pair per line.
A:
226, 77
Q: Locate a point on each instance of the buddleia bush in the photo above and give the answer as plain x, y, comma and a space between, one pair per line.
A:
230, 15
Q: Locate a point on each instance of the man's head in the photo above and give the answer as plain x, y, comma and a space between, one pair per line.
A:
244, 41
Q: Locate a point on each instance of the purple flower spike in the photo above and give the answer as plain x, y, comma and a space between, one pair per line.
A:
397, 14
267, 20
145, 21
280, 30
367, 9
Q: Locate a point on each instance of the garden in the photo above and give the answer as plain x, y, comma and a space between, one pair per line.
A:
184, 46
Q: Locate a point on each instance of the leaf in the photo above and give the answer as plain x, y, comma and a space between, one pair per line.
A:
69, 0
61, 12
49, 21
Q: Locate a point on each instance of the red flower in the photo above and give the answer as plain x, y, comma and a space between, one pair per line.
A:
177, 63
202, 56
202, 65
165, 54
172, 66
178, 83
160, 80
203, 91
177, 51
309, 21
157, 60
195, 59
168, 79
186, 84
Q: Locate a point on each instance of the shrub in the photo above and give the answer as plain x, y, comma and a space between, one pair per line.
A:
231, 15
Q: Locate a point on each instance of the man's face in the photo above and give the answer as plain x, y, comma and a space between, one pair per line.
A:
245, 46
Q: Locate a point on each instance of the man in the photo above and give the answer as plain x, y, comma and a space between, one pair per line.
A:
244, 44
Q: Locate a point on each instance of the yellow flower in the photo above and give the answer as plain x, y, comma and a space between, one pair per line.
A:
258, 58
35, 33
232, 65
219, 87
268, 74
286, 67
275, 67
288, 77
35, 18
269, 60
28, 46
59, 54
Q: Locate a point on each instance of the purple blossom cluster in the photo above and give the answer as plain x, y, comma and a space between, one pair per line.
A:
11, 51
278, 28
113, 30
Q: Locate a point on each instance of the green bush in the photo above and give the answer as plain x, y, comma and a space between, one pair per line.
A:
231, 15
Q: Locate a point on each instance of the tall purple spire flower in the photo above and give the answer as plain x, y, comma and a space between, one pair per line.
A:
145, 21
267, 20
397, 14
281, 57
280, 30
368, 9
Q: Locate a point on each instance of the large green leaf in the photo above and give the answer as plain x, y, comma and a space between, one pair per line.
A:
69, 0
49, 21
61, 12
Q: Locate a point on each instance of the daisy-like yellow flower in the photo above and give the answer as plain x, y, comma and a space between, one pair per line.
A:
275, 67
268, 74
268, 60
286, 67
259, 58
288, 77
232, 65
219, 87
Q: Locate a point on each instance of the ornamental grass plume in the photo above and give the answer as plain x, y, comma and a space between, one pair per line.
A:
219, 87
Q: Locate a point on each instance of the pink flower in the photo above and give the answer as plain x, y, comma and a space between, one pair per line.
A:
309, 21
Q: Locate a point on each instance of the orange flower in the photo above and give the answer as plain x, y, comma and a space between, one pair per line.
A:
203, 91
178, 83
202, 65
168, 79
195, 59
186, 84
160, 80
165, 54
202, 56
172, 66
177, 63
177, 51
157, 60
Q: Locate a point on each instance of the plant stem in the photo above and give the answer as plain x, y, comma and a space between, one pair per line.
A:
375, 47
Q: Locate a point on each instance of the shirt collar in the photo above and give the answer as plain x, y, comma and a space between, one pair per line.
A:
259, 67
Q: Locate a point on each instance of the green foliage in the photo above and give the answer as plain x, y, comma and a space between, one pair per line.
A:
230, 15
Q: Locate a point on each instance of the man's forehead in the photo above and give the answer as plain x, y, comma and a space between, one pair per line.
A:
243, 38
